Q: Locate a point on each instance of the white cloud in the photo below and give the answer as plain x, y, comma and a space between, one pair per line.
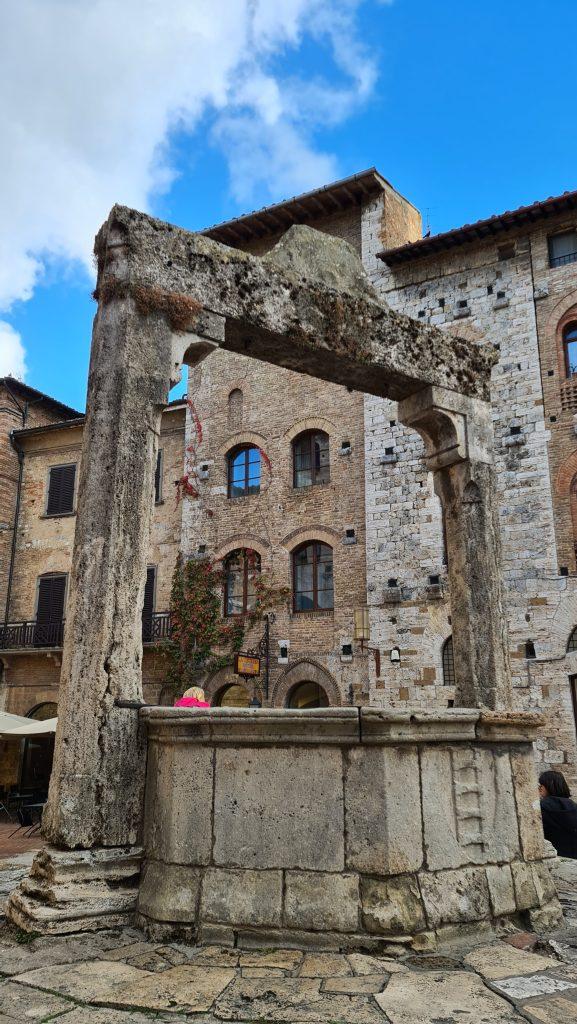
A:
90, 91
12, 359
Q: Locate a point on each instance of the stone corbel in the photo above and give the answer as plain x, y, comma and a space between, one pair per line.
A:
191, 347
454, 428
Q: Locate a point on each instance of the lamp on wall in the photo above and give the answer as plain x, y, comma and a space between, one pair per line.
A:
362, 626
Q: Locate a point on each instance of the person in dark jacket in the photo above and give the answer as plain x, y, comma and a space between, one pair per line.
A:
559, 813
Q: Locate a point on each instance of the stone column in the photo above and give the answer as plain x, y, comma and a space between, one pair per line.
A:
458, 437
97, 781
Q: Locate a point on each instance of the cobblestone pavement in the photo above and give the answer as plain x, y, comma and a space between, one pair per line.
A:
117, 977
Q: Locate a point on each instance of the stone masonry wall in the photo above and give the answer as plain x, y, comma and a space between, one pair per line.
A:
478, 294
45, 546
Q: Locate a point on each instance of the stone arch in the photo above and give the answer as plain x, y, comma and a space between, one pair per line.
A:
309, 423
221, 679
242, 540
325, 534
240, 438
566, 474
305, 670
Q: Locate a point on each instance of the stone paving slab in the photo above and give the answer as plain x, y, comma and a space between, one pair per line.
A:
457, 996
293, 1000
500, 960
20, 1004
557, 1010
527, 985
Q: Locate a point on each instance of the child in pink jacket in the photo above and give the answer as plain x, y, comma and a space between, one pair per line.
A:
192, 698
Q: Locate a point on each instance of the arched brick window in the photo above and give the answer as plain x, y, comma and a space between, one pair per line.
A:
243, 471
570, 348
240, 568
313, 588
449, 678
311, 464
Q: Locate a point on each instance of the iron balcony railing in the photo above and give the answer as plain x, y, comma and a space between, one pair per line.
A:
561, 261
155, 627
17, 636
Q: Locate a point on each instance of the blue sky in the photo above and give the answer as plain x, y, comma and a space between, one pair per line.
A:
468, 109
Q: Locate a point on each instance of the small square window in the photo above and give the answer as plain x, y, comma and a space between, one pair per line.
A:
392, 582
563, 570
463, 303
389, 451
434, 581
550, 373
350, 532
563, 249
489, 289
552, 419
500, 295
347, 650
515, 431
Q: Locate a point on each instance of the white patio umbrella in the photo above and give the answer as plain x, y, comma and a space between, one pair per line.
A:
17, 725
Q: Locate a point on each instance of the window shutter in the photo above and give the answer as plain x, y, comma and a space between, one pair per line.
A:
158, 478
148, 607
51, 591
61, 490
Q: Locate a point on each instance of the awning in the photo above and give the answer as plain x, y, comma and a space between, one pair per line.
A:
17, 725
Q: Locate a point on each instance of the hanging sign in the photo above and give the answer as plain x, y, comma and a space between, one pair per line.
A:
246, 665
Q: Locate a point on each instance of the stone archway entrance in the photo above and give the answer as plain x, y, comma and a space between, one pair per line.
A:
307, 695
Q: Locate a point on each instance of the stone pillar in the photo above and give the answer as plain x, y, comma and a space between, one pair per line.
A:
459, 451
97, 781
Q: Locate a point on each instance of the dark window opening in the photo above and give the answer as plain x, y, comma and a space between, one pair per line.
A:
313, 586
572, 641
563, 570
392, 582
307, 695
570, 348
434, 581
515, 431
61, 490
501, 295
158, 479
463, 303
563, 249
347, 650
243, 471
506, 252
311, 463
240, 569
448, 657
489, 289
530, 649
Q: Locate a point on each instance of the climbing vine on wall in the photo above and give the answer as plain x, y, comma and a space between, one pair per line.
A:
202, 640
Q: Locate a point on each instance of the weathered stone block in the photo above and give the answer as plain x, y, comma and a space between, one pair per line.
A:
320, 902
178, 804
528, 811
524, 883
501, 889
236, 897
455, 896
279, 808
169, 892
383, 810
394, 905
544, 885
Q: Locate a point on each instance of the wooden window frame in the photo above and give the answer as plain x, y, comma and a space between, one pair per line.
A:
48, 576
302, 547
571, 325
230, 458
310, 435
72, 511
246, 570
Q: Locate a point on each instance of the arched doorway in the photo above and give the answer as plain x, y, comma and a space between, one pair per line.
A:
232, 696
38, 752
307, 695
42, 712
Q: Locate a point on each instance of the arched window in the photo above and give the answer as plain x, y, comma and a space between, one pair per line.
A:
232, 696
307, 695
235, 404
240, 568
313, 577
448, 663
311, 459
243, 471
570, 348
572, 641
42, 712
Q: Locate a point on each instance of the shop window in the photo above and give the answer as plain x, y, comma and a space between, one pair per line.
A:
61, 480
449, 678
313, 588
563, 248
311, 461
307, 695
240, 568
570, 348
243, 471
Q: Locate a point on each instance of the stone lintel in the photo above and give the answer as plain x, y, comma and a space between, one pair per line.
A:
326, 322
335, 726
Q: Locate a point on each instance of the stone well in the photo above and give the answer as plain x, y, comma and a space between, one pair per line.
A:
340, 827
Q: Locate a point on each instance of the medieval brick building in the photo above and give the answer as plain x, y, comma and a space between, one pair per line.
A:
331, 496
